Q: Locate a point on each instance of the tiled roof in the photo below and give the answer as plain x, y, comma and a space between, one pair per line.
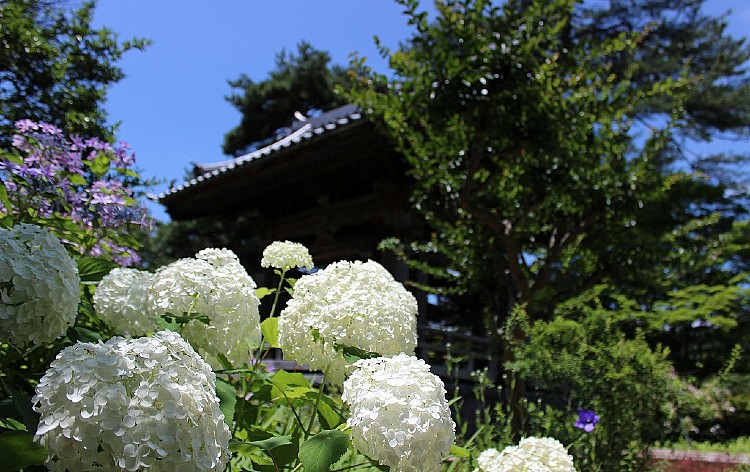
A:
299, 132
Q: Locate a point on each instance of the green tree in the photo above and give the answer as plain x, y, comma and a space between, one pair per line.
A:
300, 83
679, 36
55, 68
521, 127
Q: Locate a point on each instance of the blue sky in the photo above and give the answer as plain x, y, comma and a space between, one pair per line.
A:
171, 105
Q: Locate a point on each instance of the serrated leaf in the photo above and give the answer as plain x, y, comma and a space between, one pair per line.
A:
227, 399
270, 330
323, 450
20, 451
261, 292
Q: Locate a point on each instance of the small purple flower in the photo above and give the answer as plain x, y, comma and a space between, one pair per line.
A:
587, 420
50, 129
26, 125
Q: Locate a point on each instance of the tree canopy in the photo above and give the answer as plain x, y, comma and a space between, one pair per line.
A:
301, 82
546, 141
55, 67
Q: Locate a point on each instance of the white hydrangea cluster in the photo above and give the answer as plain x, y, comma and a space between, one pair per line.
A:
355, 304
120, 300
39, 286
131, 404
531, 455
398, 413
213, 284
286, 255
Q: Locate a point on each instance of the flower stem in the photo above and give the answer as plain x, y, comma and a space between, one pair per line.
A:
317, 402
278, 291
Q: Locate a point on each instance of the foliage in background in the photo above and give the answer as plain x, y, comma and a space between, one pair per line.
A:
302, 83
582, 360
56, 68
547, 152
83, 189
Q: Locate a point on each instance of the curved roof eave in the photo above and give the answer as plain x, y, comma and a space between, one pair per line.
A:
317, 126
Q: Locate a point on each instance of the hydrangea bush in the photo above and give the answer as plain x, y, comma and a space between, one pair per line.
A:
39, 286
120, 300
131, 404
356, 304
286, 255
200, 395
216, 286
398, 413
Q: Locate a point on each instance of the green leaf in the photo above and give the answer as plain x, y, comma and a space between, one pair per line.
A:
352, 354
270, 329
323, 450
21, 403
306, 393
77, 179
272, 443
284, 379
262, 292
227, 400
4, 200
93, 269
328, 416
20, 451
85, 335
99, 165
459, 451
223, 360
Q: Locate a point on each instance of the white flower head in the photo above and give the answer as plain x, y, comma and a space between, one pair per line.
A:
398, 413
216, 285
131, 404
39, 286
286, 255
531, 455
354, 304
120, 300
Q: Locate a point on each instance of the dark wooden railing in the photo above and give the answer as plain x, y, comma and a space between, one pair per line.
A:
451, 355
454, 356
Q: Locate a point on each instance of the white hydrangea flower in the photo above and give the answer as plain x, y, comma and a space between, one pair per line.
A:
286, 255
398, 413
39, 286
120, 300
131, 404
216, 285
531, 455
355, 304
488, 461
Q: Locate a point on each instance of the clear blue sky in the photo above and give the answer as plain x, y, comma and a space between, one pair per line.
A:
171, 104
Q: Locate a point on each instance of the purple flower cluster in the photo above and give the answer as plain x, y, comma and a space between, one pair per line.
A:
85, 181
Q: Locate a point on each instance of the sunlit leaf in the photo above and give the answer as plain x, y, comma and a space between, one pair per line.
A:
323, 450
